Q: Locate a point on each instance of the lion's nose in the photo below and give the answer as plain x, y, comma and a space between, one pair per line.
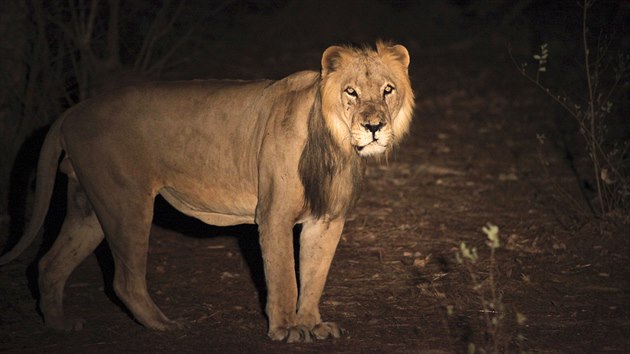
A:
373, 128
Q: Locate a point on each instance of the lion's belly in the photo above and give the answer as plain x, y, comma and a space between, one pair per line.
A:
239, 211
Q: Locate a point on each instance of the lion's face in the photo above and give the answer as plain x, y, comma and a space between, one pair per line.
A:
366, 97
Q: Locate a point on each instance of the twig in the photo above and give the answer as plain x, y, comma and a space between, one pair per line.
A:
591, 105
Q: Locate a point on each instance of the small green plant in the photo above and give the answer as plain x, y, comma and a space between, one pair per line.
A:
542, 60
491, 305
608, 158
493, 309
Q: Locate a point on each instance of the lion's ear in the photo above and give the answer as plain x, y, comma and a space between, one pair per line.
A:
396, 52
331, 59
402, 54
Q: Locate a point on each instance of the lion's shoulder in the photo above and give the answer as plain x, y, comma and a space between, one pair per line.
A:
301, 80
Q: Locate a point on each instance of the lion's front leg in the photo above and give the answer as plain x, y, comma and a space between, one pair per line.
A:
276, 243
318, 242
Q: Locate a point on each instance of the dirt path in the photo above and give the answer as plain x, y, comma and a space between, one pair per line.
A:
472, 158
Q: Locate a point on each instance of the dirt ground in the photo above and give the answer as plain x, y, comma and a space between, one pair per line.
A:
472, 157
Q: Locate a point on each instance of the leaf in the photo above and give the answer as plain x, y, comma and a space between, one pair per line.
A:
520, 318
449, 310
470, 254
492, 231
471, 348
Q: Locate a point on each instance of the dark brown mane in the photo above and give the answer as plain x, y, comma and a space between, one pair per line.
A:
331, 178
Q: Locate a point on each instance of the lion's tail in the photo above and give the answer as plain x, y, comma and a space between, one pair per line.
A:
45, 182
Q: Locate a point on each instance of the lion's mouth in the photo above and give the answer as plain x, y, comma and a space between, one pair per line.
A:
362, 147
371, 148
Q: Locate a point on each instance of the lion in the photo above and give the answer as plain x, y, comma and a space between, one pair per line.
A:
270, 153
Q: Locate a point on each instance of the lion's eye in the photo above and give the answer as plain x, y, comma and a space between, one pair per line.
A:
351, 92
387, 90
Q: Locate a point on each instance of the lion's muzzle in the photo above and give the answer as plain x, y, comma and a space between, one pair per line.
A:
373, 117
372, 134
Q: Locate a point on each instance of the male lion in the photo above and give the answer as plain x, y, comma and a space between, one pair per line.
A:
274, 153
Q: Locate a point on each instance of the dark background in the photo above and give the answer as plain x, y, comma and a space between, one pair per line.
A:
472, 156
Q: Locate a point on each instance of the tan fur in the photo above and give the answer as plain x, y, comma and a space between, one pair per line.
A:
274, 153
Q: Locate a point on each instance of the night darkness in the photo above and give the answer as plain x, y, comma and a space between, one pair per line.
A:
511, 128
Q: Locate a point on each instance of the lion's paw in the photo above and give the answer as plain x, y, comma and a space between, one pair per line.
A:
299, 334
278, 334
302, 334
294, 334
168, 325
327, 329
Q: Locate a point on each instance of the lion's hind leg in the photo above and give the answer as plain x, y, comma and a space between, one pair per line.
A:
80, 235
127, 226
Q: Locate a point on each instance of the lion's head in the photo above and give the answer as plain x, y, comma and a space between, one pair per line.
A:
363, 107
367, 100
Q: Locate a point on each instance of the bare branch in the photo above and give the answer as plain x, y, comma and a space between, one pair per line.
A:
113, 34
591, 105
89, 26
147, 43
162, 62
